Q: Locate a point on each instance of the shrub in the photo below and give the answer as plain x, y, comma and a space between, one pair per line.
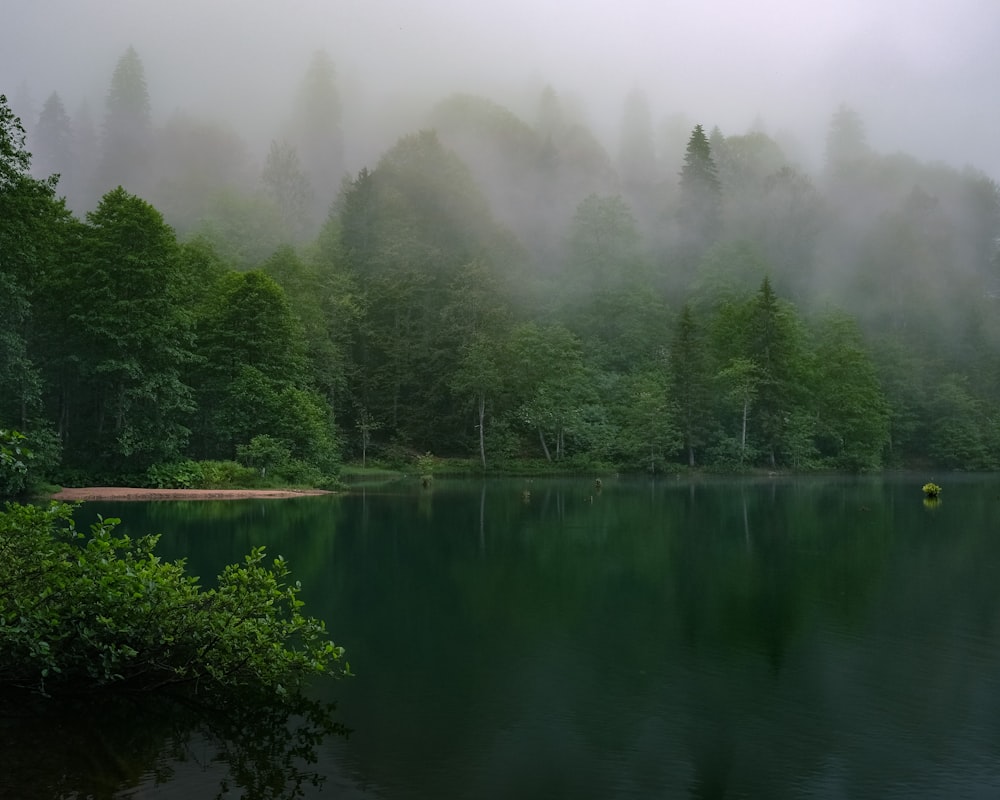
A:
98, 612
178, 475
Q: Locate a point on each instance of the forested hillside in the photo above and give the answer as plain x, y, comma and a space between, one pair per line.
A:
495, 286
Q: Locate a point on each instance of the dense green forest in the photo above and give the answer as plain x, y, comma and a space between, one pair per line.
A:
493, 287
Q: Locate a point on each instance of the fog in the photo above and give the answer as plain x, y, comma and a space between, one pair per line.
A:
920, 75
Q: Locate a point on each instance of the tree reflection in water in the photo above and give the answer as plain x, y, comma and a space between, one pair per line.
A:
253, 747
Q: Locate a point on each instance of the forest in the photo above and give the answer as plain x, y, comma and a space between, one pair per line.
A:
497, 288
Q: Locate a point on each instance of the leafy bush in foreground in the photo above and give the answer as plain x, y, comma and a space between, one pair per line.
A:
81, 613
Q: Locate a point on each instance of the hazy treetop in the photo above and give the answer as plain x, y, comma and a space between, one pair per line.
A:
919, 74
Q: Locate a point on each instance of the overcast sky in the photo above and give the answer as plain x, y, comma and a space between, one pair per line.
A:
922, 73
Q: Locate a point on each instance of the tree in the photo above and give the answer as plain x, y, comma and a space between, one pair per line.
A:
126, 143
316, 132
700, 211
739, 381
852, 413
480, 377
689, 382
773, 343
255, 378
196, 161
53, 141
847, 147
604, 247
132, 340
549, 379
648, 430
409, 231
289, 190
31, 220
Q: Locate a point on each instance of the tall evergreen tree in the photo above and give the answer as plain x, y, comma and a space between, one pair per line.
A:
81, 191
53, 141
690, 383
774, 344
126, 142
289, 189
846, 143
316, 132
700, 211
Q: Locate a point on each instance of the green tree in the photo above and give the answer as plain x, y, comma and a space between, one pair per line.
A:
408, 231
550, 380
963, 431
255, 378
739, 381
774, 342
52, 140
699, 214
32, 223
198, 162
649, 430
479, 376
852, 413
690, 383
316, 131
289, 189
126, 143
132, 341
847, 149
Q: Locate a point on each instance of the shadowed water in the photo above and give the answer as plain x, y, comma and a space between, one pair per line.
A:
821, 637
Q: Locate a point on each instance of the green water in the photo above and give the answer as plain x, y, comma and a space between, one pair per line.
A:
827, 638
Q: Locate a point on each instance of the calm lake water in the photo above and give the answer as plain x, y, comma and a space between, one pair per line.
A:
772, 638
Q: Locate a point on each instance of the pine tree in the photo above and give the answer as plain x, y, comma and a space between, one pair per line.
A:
53, 141
700, 211
690, 383
316, 132
126, 144
846, 143
289, 189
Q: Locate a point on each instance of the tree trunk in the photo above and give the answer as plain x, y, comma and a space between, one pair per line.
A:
743, 435
482, 434
690, 455
545, 447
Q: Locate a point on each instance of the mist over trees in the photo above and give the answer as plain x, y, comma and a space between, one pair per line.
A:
495, 285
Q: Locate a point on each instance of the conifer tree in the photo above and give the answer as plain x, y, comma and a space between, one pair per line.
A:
317, 134
126, 144
700, 211
53, 141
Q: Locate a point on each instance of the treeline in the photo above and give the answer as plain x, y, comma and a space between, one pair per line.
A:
507, 291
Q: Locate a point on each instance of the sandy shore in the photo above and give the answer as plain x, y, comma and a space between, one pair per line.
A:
127, 493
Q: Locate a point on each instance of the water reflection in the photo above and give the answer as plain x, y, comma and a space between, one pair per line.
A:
252, 747
771, 637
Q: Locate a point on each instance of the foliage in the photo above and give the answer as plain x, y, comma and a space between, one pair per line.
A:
102, 611
14, 459
671, 307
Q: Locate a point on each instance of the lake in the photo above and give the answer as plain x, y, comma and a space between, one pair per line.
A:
778, 637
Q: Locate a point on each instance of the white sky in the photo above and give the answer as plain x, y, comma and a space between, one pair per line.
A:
922, 73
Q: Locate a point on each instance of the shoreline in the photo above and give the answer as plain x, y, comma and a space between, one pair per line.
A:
116, 493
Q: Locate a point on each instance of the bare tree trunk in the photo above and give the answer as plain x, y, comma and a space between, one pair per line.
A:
743, 436
545, 447
482, 434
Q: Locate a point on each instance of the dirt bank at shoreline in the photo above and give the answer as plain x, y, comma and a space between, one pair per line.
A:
128, 493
